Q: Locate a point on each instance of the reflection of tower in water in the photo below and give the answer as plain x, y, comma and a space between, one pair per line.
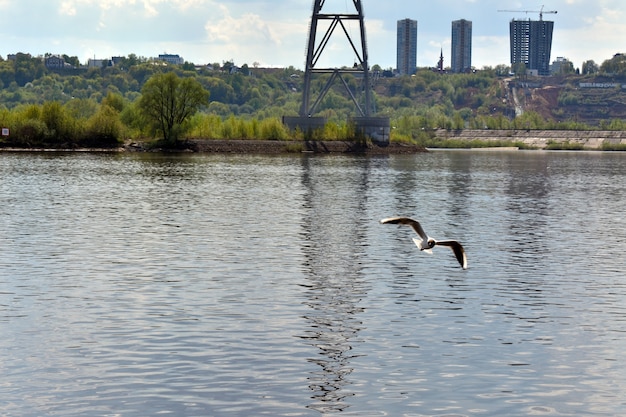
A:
334, 289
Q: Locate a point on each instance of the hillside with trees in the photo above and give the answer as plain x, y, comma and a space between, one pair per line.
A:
82, 106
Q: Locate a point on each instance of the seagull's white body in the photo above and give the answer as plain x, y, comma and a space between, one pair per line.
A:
427, 243
420, 244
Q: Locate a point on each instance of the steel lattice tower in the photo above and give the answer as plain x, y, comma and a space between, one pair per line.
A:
316, 48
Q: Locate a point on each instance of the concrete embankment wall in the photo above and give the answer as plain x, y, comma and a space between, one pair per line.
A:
540, 138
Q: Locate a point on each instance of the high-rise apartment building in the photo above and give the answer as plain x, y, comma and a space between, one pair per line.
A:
531, 42
406, 58
461, 46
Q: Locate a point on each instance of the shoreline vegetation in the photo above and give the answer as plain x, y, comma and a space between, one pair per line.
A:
116, 126
439, 139
142, 107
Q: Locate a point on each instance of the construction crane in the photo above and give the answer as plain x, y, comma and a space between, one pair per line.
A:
541, 12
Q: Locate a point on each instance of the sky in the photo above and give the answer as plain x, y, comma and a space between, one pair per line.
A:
274, 33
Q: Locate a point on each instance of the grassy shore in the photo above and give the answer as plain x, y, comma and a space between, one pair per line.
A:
441, 139
532, 139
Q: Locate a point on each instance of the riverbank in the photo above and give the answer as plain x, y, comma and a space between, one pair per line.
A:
319, 147
233, 146
541, 139
465, 138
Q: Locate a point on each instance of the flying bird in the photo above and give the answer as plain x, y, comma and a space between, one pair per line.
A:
426, 243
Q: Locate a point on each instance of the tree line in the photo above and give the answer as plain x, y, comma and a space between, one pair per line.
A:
103, 105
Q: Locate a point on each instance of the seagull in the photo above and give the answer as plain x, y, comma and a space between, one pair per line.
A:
426, 243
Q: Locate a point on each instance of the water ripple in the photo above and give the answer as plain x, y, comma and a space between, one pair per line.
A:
194, 285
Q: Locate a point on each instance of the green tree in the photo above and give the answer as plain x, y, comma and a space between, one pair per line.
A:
72, 60
615, 65
502, 70
27, 68
114, 101
7, 73
167, 101
519, 69
104, 128
590, 67
60, 126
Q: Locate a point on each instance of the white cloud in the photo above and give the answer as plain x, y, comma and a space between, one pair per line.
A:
151, 8
249, 28
594, 39
67, 8
274, 32
247, 38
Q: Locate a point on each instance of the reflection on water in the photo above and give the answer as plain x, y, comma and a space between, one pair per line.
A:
335, 285
197, 285
459, 183
528, 189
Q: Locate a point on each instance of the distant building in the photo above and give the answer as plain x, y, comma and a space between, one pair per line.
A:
461, 46
531, 43
13, 57
406, 59
171, 59
99, 63
561, 66
55, 62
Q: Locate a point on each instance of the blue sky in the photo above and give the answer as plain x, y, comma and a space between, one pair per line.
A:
274, 33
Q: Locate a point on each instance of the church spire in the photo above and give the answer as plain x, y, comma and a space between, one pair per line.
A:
440, 64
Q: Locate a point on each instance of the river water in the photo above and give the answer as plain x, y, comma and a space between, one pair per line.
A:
219, 285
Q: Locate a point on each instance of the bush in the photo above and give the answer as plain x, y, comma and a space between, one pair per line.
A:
104, 128
273, 129
29, 133
59, 127
235, 128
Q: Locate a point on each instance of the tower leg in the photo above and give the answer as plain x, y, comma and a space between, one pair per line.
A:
376, 128
315, 49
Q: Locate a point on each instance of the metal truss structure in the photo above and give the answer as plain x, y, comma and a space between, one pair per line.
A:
335, 22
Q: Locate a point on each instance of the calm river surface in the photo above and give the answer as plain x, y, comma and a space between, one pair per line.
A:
218, 285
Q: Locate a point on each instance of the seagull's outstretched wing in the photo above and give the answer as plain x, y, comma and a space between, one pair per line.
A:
458, 250
410, 222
